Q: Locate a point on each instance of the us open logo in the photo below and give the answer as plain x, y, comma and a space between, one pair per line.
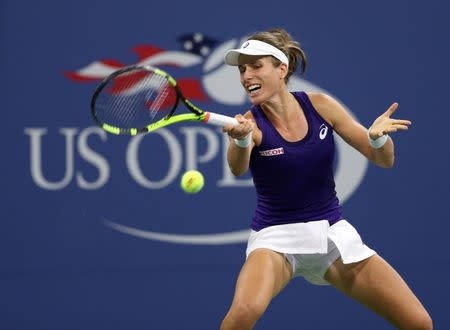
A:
201, 57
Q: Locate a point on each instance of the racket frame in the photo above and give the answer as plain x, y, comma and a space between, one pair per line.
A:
196, 113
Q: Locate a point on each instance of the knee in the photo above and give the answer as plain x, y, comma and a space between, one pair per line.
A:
243, 315
425, 323
252, 310
420, 322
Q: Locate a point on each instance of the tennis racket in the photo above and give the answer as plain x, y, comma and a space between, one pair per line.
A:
141, 99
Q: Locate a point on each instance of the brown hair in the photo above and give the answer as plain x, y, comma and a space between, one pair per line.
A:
282, 40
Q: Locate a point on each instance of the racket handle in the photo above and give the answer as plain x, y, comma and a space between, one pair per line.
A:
219, 120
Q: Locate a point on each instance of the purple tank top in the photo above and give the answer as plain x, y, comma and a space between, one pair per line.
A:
294, 180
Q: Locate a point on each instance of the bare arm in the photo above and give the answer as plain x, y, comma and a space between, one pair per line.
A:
356, 134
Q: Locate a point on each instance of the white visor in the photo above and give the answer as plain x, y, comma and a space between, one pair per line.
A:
254, 47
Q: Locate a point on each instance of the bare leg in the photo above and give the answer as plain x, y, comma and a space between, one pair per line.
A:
264, 274
375, 284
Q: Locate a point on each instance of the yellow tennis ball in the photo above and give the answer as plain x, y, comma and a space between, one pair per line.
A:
192, 182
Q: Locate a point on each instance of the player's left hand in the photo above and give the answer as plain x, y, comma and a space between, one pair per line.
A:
385, 124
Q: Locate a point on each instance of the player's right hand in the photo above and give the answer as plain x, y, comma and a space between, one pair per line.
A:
240, 131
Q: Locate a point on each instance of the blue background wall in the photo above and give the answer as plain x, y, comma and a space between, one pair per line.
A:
66, 262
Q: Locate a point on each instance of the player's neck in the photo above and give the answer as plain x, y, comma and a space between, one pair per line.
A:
281, 105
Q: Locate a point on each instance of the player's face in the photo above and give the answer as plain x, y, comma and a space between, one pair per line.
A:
259, 77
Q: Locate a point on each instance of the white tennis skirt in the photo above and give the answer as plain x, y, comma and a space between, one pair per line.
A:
311, 247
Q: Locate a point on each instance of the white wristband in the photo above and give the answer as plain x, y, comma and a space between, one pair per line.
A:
379, 142
245, 142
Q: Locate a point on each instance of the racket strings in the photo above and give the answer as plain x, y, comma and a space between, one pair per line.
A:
135, 102
135, 99
113, 107
120, 109
161, 98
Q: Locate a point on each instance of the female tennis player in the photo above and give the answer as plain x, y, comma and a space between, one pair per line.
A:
286, 140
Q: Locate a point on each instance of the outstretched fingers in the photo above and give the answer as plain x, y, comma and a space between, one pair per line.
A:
385, 124
399, 124
391, 109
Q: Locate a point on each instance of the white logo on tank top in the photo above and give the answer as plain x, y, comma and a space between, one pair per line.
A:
323, 131
272, 152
